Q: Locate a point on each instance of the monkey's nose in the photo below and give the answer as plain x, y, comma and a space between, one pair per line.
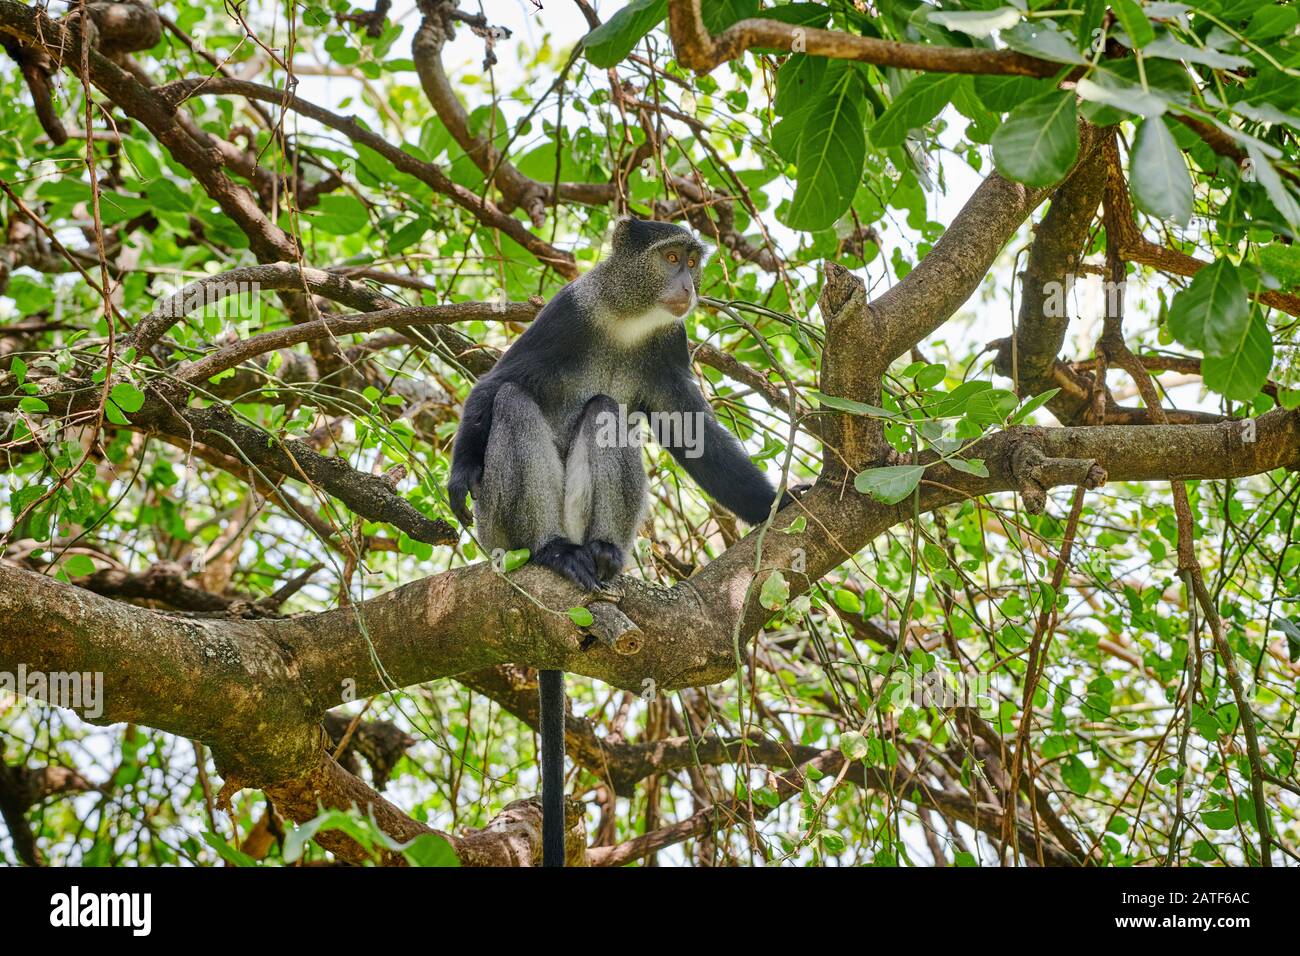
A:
678, 299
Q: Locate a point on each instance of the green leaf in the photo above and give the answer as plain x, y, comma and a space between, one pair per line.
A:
127, 397
720, 14
33, 404
614, 39
1003, 93
798, 14
852, 407
1158, 173
854, 745
1134, 22
338, 215
515, 559
992, 406
832, 149
1211, 314
930, 376
296, 840
921, 101
1031, 406
1240, 374
1039, 141
79, 566
797, 82
1291, 628
889, 484
977, 23
847, 601
19, 369
1039, 38
429, 849
580, 616
1279, 193
971, 466
1166, 47
775, 592
1076, 775
832, 841
1120, 95
1204, 851
1271, 21
1219, 819
1282, 262
226, 851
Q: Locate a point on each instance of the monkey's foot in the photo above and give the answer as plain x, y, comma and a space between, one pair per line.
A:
608, 558
571, 560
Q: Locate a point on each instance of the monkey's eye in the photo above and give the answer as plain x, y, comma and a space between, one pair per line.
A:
690, 263
673, 257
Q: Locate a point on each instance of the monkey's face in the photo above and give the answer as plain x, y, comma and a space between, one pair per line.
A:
679, 266
653, 268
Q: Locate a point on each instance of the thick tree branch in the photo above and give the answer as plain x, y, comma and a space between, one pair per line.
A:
699, 51
942, 282
1058, 246
229, 682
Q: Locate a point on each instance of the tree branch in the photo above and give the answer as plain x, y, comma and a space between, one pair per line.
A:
699, 51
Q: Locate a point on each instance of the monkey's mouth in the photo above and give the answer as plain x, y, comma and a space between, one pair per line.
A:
678, 305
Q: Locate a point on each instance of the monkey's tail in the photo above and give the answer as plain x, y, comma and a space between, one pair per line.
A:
551, 693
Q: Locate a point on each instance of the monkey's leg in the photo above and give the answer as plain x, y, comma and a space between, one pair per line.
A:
604, 486
520, 500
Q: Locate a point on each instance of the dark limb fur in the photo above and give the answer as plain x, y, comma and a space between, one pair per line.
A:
722, 467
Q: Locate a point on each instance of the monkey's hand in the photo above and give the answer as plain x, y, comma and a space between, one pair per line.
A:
793, 494
464, 481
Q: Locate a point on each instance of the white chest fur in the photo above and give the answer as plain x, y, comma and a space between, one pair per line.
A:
632, 331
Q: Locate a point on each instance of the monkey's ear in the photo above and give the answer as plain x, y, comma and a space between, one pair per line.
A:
622, 226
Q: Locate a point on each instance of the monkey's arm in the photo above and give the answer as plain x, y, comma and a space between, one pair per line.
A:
471, 445
721, 467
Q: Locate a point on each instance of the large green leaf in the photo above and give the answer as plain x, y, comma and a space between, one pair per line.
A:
1039, 142
720, 14
799, 14
1166, 47
991, 406
1003, 93
1281, 195
889, 484
1158, 173
340, 215
1211, 314
429, 849
832, 148
1241, 373
920, 102
1134, 21
1039, 38
614, 39
977, 23
797, 81
1107, 89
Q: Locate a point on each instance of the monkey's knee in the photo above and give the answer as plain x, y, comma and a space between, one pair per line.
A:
513, 406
